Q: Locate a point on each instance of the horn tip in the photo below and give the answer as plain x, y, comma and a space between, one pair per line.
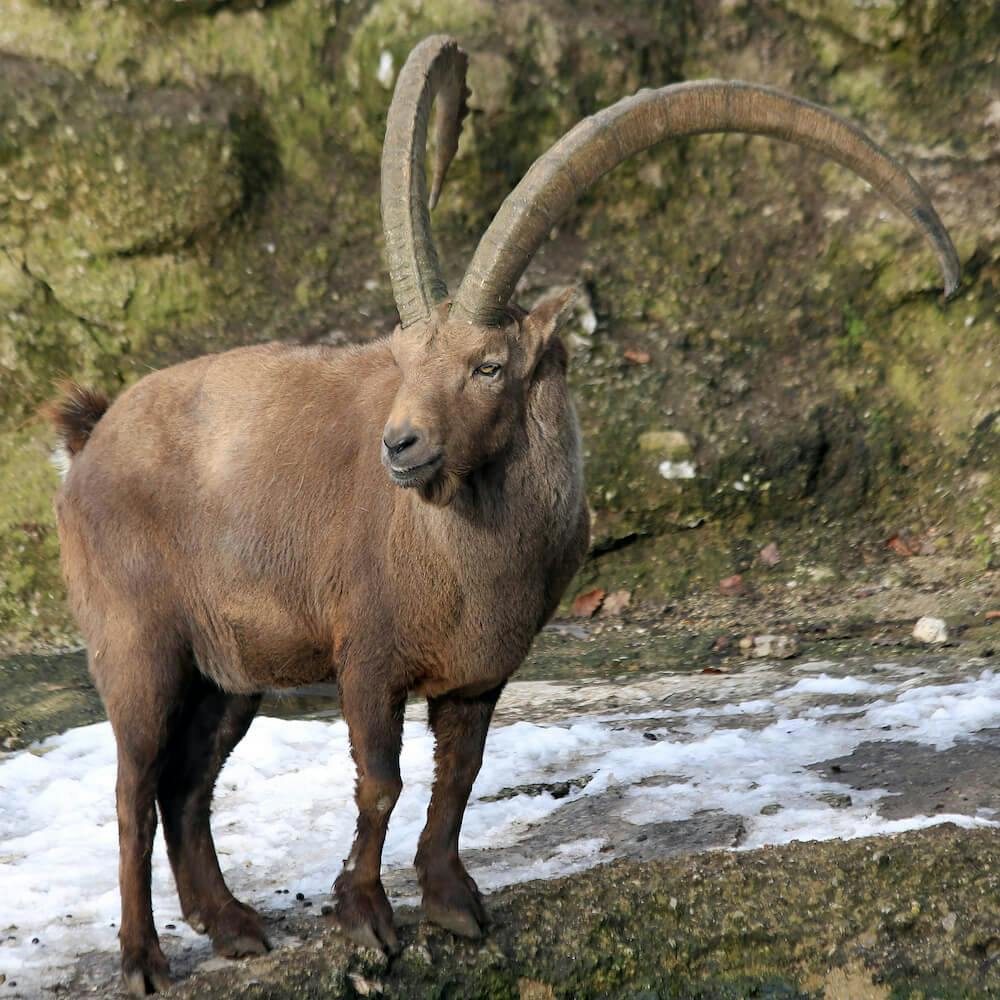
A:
952, 277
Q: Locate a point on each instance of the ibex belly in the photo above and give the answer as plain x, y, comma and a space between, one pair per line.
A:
251, 644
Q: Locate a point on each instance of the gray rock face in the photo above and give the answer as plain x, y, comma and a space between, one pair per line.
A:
98, 189
183, 177
964, 779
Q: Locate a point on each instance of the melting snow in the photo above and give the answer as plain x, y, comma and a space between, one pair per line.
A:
825, 684
677, 470
284, 812
386, 72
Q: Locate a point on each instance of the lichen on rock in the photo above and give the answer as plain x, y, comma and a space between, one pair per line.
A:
184, 180
908, 916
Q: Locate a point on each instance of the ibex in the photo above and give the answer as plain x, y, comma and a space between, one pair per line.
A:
399, 518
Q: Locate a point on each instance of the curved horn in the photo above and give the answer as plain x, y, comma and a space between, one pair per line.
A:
599, 143
435, 68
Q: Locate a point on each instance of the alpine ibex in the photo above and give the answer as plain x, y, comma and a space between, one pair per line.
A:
227, 527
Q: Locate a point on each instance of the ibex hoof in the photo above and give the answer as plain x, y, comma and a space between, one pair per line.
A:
145, 971
238, 931
365, 917
454, 903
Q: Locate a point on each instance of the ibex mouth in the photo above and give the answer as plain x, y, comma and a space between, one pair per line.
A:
411, 476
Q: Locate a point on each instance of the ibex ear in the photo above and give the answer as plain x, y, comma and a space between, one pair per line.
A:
545, 319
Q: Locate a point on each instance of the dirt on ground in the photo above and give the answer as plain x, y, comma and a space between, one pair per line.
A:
681, 908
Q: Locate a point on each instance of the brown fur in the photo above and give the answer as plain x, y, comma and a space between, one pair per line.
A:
75, 414
230, 528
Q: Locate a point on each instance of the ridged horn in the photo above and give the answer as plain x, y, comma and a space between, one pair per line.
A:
602, 141
435, 68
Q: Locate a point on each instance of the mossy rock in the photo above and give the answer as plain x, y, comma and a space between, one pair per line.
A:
97, 184
107, 174
165, 8
32, 600
904, 917
794, 330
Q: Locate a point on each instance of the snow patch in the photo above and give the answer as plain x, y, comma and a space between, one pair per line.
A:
825, 684
677, 470
386, 72
284, 812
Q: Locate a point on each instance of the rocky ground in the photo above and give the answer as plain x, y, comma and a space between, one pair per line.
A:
663, 913
911, 916
792, 445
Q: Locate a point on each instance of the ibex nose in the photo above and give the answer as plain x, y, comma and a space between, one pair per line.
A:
398, 440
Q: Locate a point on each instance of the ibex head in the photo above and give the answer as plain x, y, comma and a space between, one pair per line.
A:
466, 362
462, 393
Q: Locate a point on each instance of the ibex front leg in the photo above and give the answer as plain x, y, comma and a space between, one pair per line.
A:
450, 897
375, 720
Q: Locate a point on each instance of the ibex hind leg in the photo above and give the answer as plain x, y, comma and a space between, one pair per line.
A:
204, 732
142, 681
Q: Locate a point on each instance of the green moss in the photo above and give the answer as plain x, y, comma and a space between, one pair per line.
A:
32, 597
928, 55
171, 185
907, 917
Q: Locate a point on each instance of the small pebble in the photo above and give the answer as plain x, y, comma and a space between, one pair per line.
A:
300, 896
836, 800
781, 647
930, 630
770, 555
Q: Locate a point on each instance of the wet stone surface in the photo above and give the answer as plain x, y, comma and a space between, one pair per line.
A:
919, 779
581, 772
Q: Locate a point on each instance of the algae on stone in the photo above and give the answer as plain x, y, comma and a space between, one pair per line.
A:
175, 182
911, 916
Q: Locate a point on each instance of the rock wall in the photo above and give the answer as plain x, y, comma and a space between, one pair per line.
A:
180, 177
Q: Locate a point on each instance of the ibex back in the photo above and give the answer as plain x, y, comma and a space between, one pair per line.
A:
401, 517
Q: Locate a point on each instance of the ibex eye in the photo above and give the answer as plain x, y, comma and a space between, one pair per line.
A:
488, 370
